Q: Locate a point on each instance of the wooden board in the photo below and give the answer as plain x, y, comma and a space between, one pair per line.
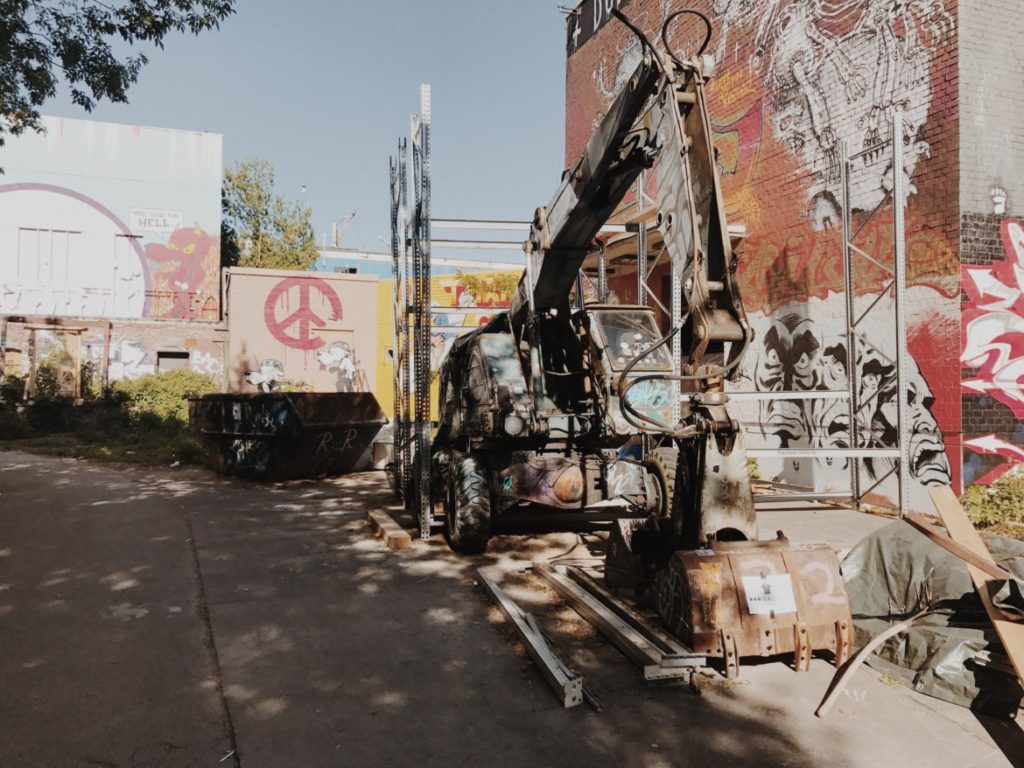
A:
395, 537
1010, 632
923, 524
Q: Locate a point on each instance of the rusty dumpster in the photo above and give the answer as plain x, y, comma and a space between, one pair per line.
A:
286, 435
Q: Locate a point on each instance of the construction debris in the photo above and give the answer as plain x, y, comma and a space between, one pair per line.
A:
656, 653
568, 688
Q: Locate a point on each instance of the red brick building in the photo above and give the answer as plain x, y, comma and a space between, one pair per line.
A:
794, 81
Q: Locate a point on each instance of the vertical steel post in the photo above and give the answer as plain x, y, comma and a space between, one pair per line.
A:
423, 320
900, 270
851, 331
397, 170
641, 263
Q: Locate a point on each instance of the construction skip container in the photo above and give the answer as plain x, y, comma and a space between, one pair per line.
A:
286, 436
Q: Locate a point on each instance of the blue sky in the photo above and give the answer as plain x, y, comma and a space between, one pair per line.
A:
323, 90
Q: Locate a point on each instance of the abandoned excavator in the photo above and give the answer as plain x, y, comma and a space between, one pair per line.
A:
561, 405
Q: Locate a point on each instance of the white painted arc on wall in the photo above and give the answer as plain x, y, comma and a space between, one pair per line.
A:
61, 254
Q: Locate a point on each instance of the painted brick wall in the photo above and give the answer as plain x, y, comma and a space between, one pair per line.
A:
991, 103
794, 79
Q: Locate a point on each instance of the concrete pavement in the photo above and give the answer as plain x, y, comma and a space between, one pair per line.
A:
131, 599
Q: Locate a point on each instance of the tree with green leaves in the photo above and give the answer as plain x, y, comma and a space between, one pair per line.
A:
259, 228
81, 42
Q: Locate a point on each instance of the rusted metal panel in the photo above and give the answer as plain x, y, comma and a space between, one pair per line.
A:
285, 436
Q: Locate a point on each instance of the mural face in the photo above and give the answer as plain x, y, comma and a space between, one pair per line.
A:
804, 349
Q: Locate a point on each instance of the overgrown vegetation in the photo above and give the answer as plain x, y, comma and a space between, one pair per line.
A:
142, 420
999, 505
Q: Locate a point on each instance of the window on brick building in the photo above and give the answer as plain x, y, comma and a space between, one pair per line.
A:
171, 361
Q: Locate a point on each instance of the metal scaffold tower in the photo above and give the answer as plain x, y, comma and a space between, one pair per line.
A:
410, 253
413, 309
853, 225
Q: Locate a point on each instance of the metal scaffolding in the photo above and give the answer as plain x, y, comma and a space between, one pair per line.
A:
856, 339
413, 313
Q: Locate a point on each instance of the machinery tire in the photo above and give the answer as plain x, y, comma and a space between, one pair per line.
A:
662, 463
467, 519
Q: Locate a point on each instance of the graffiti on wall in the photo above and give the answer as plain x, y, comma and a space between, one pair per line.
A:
794, 355
267, 377
793, 80
290, 314
488, 292
65, 253
803, 348
184, 275
833, 70
993, 339
340, 359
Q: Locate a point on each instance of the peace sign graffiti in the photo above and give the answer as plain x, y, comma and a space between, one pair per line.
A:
293, 330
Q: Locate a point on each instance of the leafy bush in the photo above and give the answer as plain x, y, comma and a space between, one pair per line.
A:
51, 414
1000, 502
11, 390
159, 397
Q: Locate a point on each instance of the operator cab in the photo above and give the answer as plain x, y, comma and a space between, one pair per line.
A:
624, 333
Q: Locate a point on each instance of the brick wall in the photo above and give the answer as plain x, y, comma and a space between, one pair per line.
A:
991, 103
136, 346
993, 341
793, 81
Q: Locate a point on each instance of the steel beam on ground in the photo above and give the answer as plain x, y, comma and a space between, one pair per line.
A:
567, 687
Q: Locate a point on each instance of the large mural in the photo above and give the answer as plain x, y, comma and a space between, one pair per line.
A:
794, 81
99, 220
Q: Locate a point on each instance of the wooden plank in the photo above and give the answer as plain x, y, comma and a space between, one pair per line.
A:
568, 688
395, 537
923, 524
623, 636
1010, 632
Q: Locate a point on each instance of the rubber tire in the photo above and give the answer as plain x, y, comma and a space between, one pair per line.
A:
467, 519
662, 463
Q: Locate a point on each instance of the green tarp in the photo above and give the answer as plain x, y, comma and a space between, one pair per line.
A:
952, 652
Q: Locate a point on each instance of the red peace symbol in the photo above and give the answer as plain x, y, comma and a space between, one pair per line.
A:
303, 319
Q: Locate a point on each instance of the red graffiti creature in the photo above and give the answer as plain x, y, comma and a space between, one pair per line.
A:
181, 264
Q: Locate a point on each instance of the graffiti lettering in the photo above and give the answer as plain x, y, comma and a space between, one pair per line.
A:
206, 362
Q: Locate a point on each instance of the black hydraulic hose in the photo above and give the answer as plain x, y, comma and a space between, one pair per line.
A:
623, 387
636, 31
672, 17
